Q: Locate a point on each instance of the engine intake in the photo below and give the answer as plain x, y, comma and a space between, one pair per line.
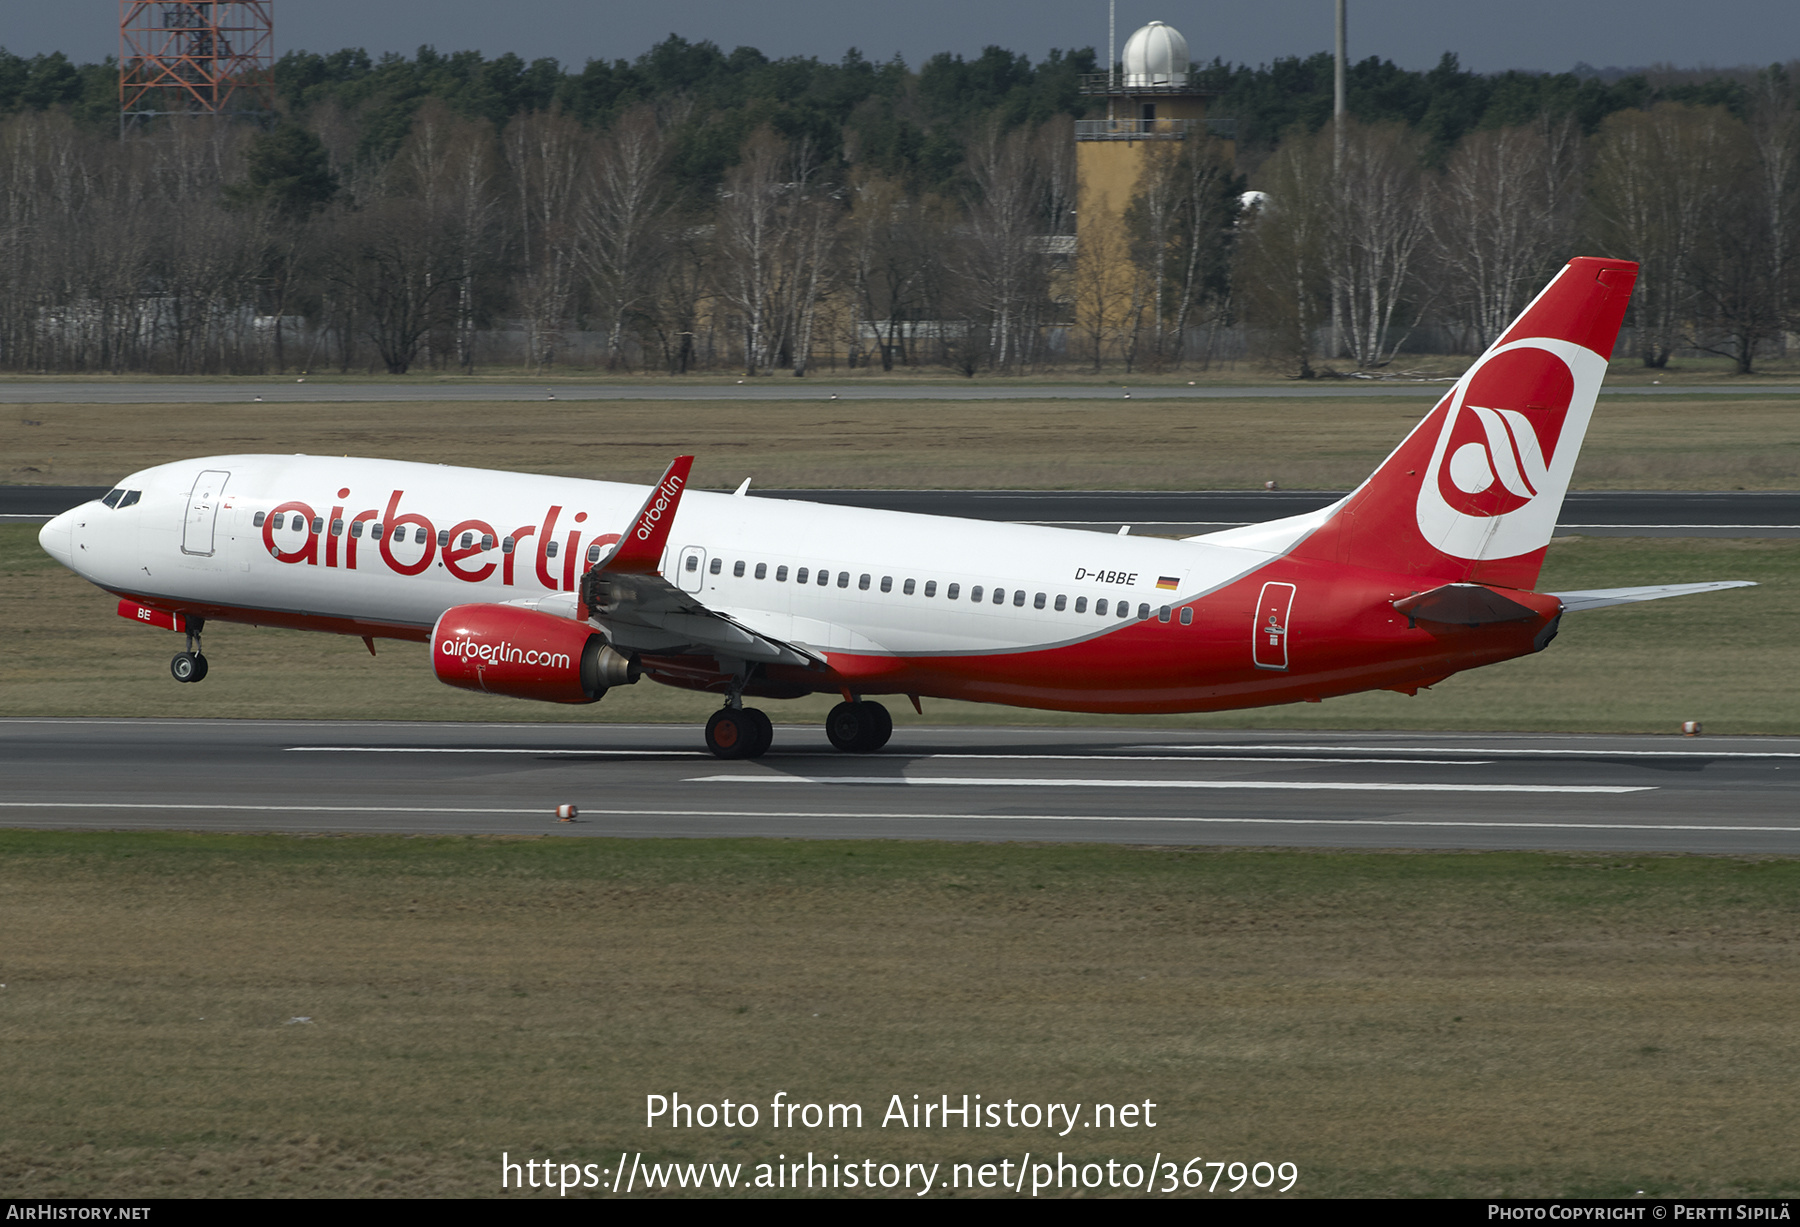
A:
503, 649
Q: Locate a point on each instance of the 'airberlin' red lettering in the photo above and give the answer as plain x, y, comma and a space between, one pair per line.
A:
455, 553
543, 559
308, 553
393, 520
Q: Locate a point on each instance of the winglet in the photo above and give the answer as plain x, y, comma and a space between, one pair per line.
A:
641, 548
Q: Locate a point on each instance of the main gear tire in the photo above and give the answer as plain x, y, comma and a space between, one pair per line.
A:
731, 733
765, 731
859, 728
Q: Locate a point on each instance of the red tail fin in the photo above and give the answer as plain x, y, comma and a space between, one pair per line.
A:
1474, 491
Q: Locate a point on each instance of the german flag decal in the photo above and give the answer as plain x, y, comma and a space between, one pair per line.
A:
1169, 582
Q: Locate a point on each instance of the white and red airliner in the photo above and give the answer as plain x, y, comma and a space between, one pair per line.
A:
556, 589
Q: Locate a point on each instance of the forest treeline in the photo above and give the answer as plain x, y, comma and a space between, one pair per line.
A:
697, 209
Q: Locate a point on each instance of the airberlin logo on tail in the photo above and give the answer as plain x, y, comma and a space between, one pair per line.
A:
646, 524
1501, 464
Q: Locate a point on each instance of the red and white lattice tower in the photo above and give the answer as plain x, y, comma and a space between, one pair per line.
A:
196, 57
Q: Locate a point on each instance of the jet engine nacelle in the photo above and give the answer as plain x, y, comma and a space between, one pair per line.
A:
503, 649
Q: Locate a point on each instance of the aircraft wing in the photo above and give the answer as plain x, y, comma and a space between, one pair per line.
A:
1600, 598
627, 596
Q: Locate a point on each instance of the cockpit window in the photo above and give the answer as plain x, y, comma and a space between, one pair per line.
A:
112, 497
131, 496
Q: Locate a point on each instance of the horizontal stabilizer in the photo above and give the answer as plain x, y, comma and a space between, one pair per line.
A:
1600, 598
1464, 604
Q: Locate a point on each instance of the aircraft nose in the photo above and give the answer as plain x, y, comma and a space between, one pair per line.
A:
56, 538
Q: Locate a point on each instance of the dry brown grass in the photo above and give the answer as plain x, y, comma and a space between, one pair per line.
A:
1475, 1025
1648, 443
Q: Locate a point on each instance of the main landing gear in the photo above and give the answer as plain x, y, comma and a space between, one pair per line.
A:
190, 666
859, 727
739, 732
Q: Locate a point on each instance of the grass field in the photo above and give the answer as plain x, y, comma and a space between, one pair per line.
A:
1728, 659
1466, 1025
1687, 443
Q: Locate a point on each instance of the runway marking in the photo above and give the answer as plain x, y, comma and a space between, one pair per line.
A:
1195, 751
491, 750
1105, 758
546, 814
1220, 785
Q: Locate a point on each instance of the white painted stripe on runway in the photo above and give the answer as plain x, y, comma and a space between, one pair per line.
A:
1108, 758
548, 816
1199, 751
534, 750
1210, 758
1211, 785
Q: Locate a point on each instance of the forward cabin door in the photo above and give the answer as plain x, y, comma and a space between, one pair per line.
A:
1269, 637
197, 531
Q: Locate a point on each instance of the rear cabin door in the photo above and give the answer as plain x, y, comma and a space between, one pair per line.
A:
203, 513
1269, 637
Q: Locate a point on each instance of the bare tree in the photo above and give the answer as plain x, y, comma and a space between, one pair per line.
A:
1376, 230
623, 223
1657, 184
546, 155
1281, 270
1502, 220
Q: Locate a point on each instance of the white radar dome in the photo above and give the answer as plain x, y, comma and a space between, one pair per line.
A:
1156, 55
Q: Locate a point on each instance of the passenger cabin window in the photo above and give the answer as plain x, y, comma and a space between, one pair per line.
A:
256, 521
549, 546
717, 565
737, 569
999, 596
799, 576
825, 577
318, 524
506, 543
337, 528
112, 497
762, 570
1187, 615
974, 593
781, 576
1080, 604
844, 579
1062, 602
1037, 602
356, 528
1143, 613
907, 587
693, 563
1124, 609
952, 590
1100, 608
443, 538
1162, 615
593, 550
468, 539
487, 542
863, 583
931, 587
887, 584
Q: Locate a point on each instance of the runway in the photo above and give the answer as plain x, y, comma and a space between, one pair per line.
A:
1598, 513
1144, 786
290, 390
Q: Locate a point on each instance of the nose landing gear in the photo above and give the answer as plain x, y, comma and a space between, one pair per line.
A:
190, 666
